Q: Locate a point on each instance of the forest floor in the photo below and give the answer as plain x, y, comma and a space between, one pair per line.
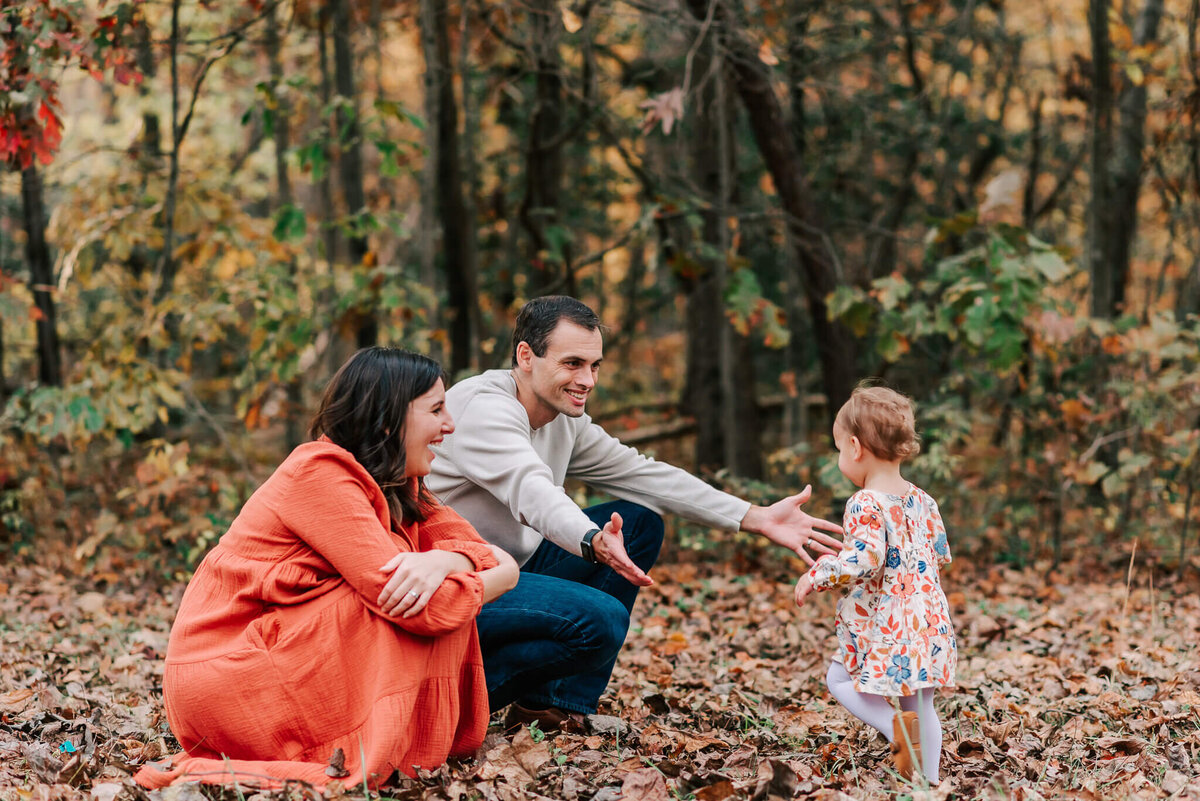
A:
1066, 689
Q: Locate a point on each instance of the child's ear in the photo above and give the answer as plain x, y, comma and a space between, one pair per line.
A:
856, 448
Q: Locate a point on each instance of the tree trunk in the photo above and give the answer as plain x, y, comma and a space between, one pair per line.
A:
720, 391
293, 414
350, 157
544, 161
428, 226
470, 164
41, 277
166, 266
1187, 291
343, 342
818, 267
1129, 163
3, 376
325, 187
1101, 217
458, 230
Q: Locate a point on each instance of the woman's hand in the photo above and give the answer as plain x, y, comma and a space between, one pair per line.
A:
416, 578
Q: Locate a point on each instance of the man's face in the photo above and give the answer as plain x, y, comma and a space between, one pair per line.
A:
563, 378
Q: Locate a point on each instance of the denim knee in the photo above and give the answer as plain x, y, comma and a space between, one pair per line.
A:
605, 629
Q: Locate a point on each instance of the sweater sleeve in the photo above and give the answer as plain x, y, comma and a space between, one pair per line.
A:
605, 463
336, 509
937, 533
862, 554
492, 449
446, 530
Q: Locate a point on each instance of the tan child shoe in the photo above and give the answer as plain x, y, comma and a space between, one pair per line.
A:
906, 745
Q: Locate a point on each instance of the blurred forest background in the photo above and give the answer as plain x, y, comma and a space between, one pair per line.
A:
995, 206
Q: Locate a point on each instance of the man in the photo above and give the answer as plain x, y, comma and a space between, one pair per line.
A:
550, 644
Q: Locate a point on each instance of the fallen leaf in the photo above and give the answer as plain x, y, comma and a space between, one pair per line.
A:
15, 700
644, 784
105, 791
716, 792
529, 754
337, 765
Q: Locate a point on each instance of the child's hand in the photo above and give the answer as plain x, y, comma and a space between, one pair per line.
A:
803, 588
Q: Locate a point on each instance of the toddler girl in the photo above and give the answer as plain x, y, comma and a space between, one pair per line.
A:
893, 627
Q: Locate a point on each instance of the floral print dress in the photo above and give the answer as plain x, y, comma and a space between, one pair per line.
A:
893, 628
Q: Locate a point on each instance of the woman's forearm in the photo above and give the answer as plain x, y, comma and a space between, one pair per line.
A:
501, 578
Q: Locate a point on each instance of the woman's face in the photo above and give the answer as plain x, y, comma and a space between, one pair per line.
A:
427, 422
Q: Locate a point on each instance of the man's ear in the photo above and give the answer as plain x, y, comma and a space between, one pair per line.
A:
524, 355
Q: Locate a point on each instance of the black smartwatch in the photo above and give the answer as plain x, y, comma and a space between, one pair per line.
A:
585, 547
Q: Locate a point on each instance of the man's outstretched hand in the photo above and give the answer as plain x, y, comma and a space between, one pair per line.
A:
786, 523
609, 548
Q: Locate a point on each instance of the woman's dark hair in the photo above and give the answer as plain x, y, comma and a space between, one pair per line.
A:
539, 317
364, 410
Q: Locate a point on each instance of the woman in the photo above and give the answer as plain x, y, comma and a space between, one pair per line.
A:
338, 611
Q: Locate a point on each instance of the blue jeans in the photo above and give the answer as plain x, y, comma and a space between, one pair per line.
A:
553, 639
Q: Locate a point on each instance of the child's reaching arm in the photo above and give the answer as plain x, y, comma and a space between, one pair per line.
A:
860, 558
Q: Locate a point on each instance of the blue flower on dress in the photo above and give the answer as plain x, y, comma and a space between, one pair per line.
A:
899, 669
893, 557
937, 649
923, 675
922, 565
940, 545
860, 545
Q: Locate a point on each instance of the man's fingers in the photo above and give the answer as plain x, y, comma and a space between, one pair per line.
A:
821, 550
820, 538
633, 574
803, 554
818, 523
803, 495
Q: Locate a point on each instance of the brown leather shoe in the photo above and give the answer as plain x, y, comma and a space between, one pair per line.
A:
549, 719
906, 747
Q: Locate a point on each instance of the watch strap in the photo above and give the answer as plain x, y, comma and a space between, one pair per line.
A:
585, 546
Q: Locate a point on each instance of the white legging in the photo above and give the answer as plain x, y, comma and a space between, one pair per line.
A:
877, 712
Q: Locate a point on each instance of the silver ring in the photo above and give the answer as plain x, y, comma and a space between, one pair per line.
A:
414, 593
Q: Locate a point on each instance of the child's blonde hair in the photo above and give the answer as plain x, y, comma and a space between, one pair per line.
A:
883, 420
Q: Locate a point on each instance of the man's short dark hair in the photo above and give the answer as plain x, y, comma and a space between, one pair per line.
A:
539, 317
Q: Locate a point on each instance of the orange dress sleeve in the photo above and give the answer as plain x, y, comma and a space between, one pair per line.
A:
447, 530
340, 514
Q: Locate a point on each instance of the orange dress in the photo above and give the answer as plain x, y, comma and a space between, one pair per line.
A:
279, 653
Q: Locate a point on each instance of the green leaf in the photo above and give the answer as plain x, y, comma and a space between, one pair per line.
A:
1092, 472
1050, 264
290, 224
397, 110
890, 290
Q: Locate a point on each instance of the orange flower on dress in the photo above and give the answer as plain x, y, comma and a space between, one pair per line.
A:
905, 586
